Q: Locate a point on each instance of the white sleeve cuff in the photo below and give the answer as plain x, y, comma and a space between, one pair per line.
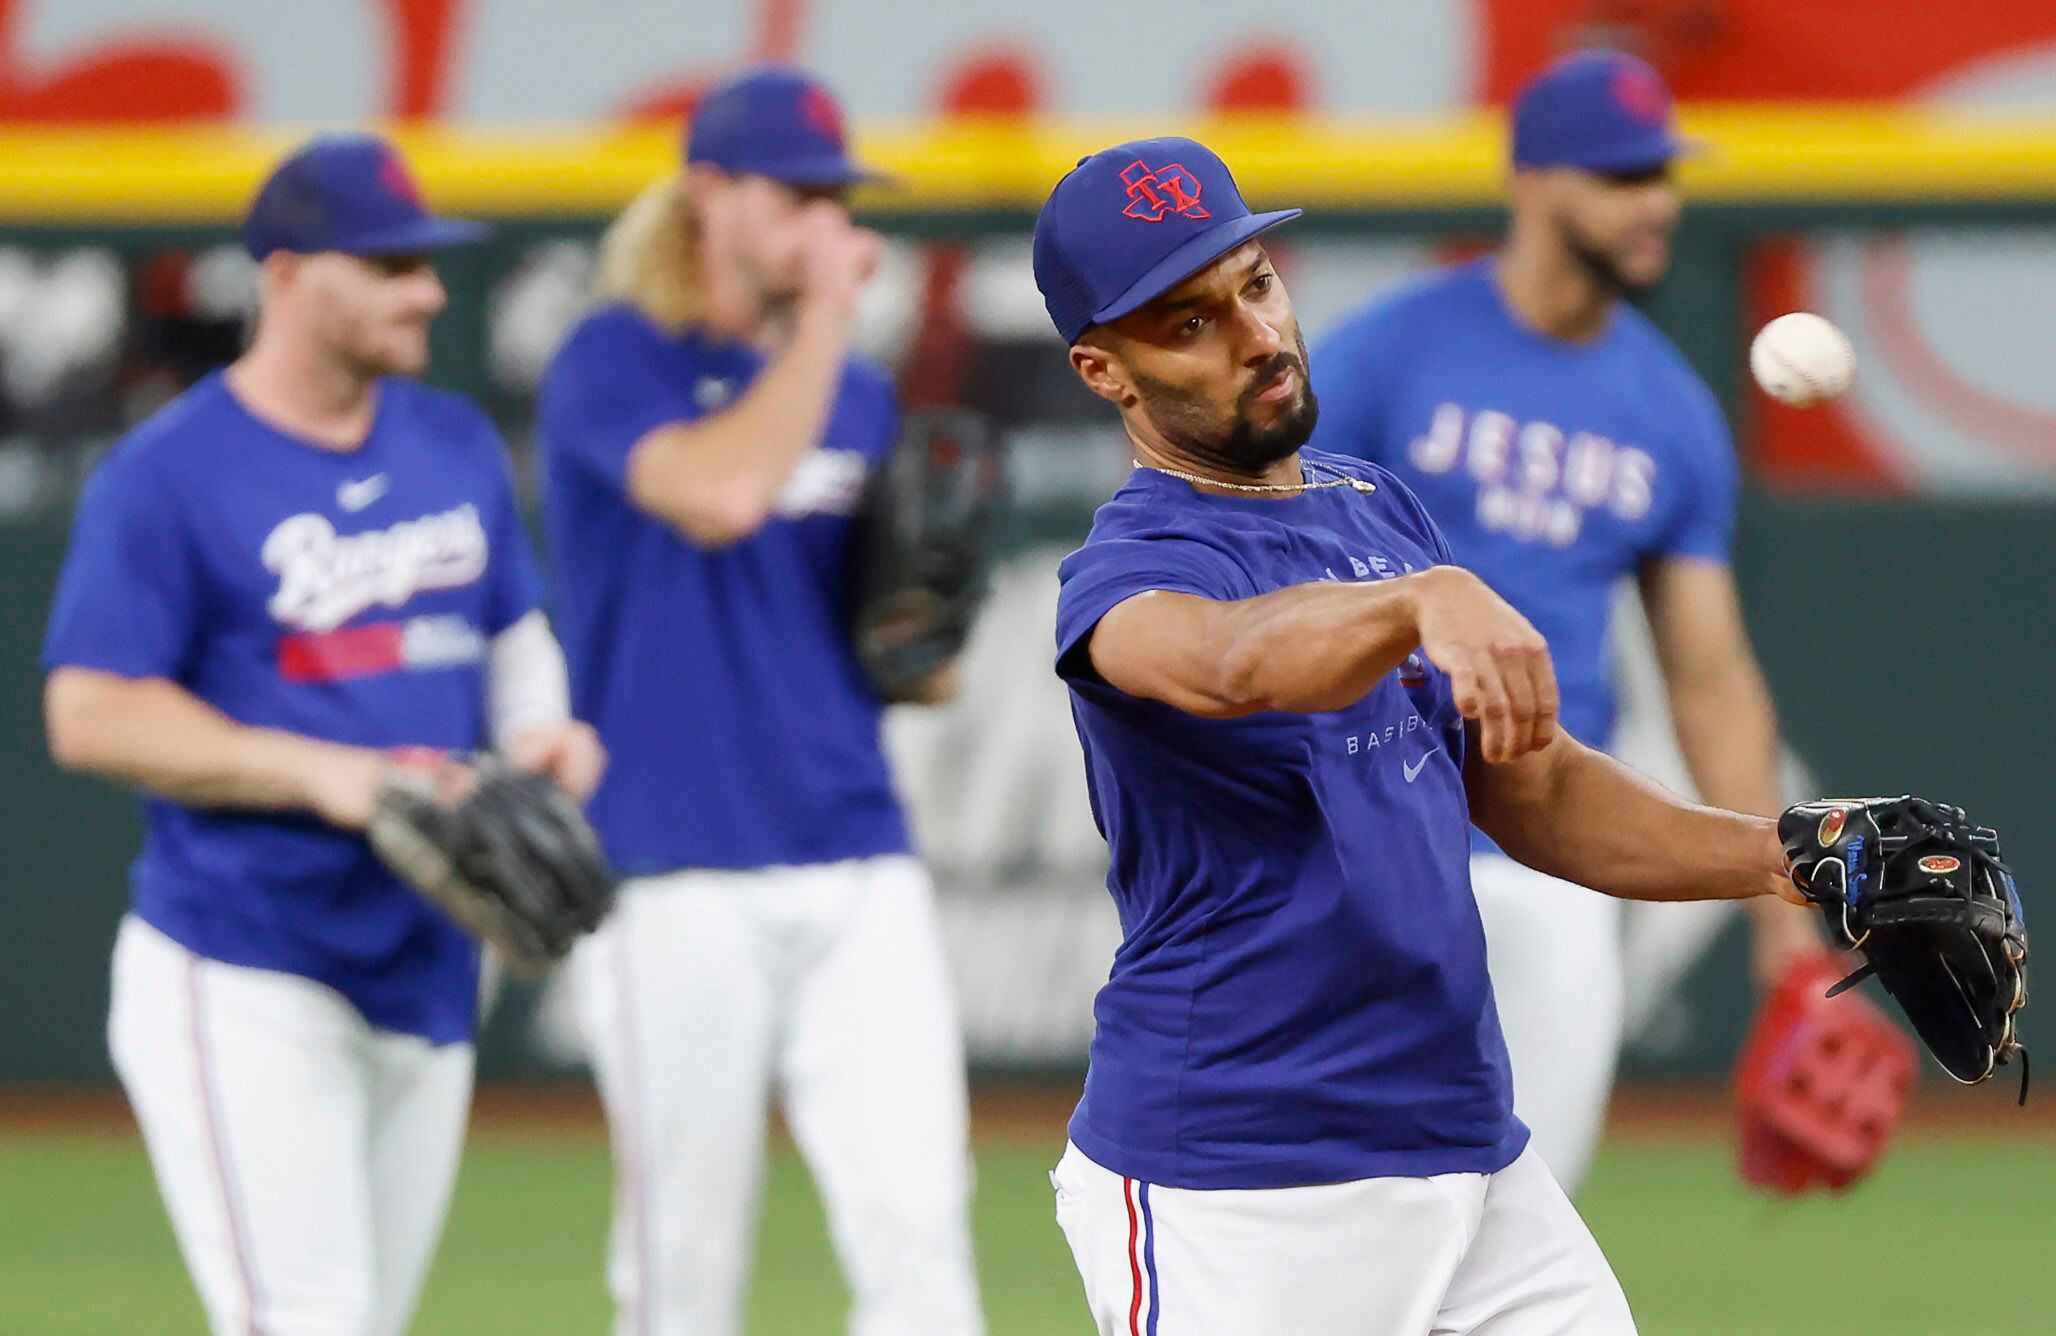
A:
526, 682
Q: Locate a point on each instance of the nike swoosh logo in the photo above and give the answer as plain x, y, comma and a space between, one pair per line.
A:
359, 494
1413, 772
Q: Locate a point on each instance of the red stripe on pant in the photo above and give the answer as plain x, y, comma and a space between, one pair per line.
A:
217, 1152
1134, 1258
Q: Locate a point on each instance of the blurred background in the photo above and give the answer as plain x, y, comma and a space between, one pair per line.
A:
1888, 163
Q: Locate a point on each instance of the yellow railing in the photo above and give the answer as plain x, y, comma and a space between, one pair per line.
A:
1753, 153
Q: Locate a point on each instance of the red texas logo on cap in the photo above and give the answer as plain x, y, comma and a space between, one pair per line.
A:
1641, 95
392, 174
1940, 864
821, 114
1166, 190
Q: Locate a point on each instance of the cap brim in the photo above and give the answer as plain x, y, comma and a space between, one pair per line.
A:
423, 234
1649, 155
1182, 263
824, 174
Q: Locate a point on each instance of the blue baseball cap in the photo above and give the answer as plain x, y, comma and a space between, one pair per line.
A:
351, 193
775, 121
1602, 111
1130, 223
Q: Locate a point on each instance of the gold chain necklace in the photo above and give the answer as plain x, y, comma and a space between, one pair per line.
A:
1340, 479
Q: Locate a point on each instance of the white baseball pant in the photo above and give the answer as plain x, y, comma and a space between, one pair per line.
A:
704, 988
1500, 1254
305, 1157
1554, 951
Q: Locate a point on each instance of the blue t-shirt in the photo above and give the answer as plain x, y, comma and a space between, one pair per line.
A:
1554, 468
740, 728
343, 595
1300, 994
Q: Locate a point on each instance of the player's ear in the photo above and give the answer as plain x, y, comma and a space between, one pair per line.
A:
1102, 370
704, 178
705, 189
276, 271
1522, 186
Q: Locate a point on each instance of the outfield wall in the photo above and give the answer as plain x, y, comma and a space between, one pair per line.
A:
1895, 635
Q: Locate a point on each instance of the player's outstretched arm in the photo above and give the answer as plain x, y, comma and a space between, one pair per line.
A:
155, 735
1578, 814
1726, 723
1322, 646
717, 478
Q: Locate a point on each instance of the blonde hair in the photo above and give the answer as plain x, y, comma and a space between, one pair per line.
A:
649, 256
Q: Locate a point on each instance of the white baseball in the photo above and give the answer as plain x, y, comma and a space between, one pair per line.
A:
1801, 359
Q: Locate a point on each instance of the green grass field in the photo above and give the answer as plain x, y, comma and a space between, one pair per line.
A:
1948, 1237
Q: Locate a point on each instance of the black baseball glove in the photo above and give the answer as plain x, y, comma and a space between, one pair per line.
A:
504, 852
923, 547
1925, 896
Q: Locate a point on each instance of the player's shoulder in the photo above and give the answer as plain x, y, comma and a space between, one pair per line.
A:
1406, 306
447, 416
1659, 357
1147, 529
1148, 508
614, 320
432, 403
1391, 497
171, 441
1662, 371
1128, 513
612, 330
868, 379
1464, 283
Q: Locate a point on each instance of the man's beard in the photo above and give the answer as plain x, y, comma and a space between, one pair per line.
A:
1242, 446
1604, 270
366, 358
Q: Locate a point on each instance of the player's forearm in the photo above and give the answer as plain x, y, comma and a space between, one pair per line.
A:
717, 479
154, 735
1728, 732
1312, 647
1578, 814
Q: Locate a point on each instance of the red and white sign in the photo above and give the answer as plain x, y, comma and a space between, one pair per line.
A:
1953, 392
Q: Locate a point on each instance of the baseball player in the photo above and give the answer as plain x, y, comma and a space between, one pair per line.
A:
1298, 1116
708, 433
300, 565
1562, 444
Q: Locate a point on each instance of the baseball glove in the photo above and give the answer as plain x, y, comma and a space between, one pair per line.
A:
504, 852
1821, 1084
1926, 897
924, 544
